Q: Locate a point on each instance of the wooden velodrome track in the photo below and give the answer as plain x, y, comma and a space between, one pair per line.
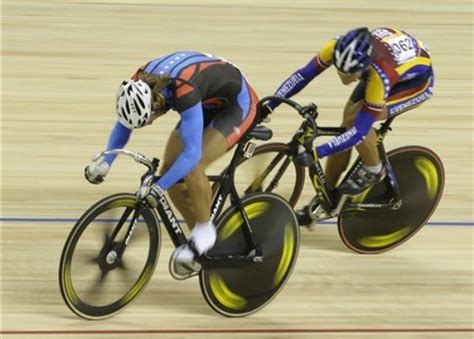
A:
62, 63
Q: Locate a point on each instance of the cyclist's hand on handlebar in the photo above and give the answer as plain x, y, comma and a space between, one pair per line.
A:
96, 172
150, 194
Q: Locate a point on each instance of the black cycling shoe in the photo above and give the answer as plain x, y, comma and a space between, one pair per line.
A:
360, 180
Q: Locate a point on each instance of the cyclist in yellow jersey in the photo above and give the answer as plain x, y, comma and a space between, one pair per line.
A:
394, 75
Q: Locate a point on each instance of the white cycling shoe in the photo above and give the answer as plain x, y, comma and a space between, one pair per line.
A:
182, 263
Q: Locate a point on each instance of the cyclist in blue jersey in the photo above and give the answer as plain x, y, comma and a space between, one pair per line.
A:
216, 106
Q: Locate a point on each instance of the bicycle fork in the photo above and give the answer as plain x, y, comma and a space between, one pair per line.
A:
112, 251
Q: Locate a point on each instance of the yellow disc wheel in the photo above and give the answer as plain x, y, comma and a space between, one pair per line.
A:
239, 290
420, 175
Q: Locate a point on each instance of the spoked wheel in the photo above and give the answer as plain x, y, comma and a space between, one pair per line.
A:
242, 289
271, 169
95, 279
420, 176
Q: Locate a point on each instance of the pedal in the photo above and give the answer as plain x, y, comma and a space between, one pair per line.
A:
316, 211
180, 271
183, 273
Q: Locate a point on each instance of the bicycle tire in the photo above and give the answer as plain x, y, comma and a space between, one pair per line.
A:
237, 291
70, 288
420, 176
293, 194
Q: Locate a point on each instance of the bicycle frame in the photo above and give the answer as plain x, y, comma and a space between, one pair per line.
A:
171, 222
307, 132
227, 187
333, 206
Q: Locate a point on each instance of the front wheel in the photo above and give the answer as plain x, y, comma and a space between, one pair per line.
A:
98, 275
240, 290
420, 175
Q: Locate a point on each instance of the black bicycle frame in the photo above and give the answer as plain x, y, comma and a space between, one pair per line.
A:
227, 187
307, 133
319, 180
316, 172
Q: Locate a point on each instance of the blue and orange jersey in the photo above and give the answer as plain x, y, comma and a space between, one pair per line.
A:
206, 91
174, 64
192, 79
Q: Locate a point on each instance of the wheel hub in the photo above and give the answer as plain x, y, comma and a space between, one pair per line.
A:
109, 259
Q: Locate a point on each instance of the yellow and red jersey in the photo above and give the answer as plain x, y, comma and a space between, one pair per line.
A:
397, 57
398, 78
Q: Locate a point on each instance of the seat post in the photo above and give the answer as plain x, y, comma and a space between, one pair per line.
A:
383, 130
238, 154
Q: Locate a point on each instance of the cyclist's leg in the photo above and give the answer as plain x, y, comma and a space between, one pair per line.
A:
402, 97
336, 164
193, 200
227, 127
198, 187
367, 149
372, 171
178, 192
196, 183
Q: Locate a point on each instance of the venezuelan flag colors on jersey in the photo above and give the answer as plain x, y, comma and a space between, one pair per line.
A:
398, 57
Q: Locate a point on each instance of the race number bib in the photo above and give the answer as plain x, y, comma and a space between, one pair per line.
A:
403, 48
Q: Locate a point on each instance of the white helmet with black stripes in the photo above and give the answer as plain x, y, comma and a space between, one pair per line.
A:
134, 103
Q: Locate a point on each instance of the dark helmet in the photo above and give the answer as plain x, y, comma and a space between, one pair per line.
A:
353, 51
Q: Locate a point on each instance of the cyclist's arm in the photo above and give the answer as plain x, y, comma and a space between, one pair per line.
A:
350, 138
303, 76
375, 98
191, 132
118, 139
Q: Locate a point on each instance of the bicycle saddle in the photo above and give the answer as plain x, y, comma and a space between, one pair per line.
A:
261, 133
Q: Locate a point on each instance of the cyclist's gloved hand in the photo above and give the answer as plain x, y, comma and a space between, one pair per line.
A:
96, 172
151, 194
